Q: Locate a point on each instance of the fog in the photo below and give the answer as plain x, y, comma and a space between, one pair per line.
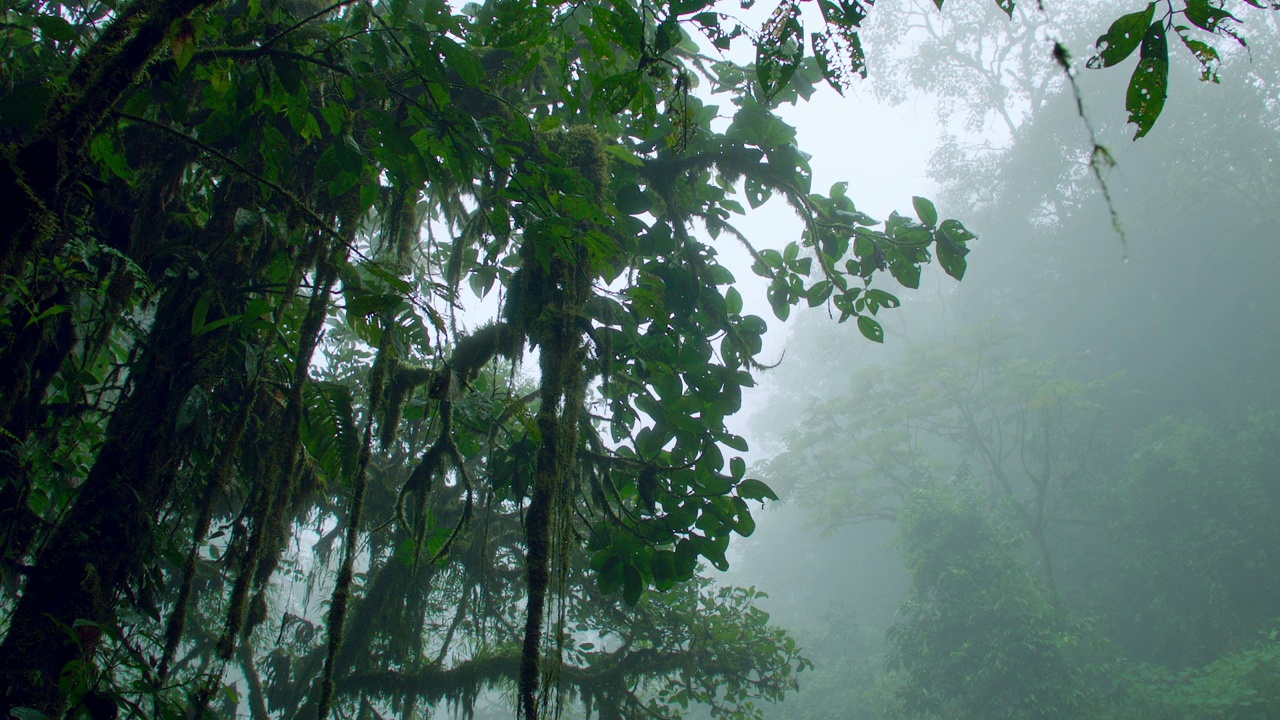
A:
1051, 492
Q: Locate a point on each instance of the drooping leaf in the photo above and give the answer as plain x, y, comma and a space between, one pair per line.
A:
951, 256
870, 328
1210, 17
955, 231
632, 584
780, 49
752, 489
1122, 38
1205, 54
1149, 85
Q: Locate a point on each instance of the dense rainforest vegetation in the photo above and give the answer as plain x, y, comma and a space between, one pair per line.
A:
374, 359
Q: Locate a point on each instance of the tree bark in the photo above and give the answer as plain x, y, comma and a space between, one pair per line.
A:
107, 534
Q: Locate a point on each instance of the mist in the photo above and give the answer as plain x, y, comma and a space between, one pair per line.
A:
1051, 492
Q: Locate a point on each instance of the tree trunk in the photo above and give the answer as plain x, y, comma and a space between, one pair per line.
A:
103, 541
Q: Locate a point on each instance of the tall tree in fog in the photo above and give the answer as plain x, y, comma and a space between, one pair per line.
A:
1020, 428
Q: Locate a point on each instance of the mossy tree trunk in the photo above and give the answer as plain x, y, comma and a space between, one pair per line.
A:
109, 532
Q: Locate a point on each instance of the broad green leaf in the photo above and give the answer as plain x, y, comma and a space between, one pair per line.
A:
906, 273
663, 568
732, 301
955, 231
925, 211
686, 559
624, 154
1148, 87
840, 57
779, 300
870, 329
615, 93
819, 293
1122, 38
1208, 16
632, 584
627, 27
752, 489
57, 28
951, 257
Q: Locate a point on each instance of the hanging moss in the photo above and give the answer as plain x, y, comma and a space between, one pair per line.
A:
580, 148
562, 356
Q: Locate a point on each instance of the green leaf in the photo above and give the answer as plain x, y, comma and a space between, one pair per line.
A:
732, 301
779, 300
907, 273
663, 568
819, 293
626, 27
1149, 85
624, 154
840, 57
955, 231
870, 329
752, 489
951, 257
55, 28
1122, 38
1209, 17
1205, 54
925, 211
615, 93
779, 49
108, 152
686, 560
48, 313
844, 14
633, 584
200, 312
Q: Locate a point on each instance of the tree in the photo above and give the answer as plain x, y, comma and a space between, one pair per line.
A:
1023, 429
204, 196
980, 637
1181, 523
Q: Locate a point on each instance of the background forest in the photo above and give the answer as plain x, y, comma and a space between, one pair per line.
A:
382, 359
1052, 492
